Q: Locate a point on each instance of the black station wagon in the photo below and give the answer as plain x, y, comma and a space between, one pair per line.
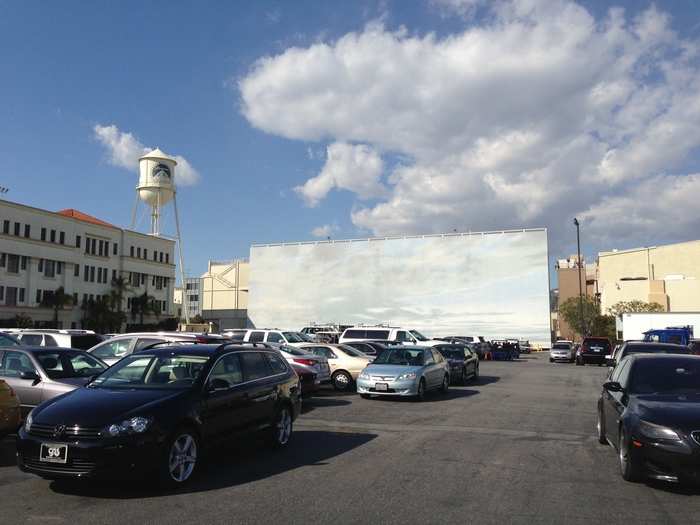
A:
155, 410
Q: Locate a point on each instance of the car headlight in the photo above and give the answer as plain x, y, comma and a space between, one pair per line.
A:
28, 422
364, 375
654, 431
135, 425
407, 375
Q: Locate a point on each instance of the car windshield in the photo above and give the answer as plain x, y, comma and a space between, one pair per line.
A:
293, 337
152, 371
351, 351
69, 363
418, 335
656, 376
561, 346
400, 356
6, 340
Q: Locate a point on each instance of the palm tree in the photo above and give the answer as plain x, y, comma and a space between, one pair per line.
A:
120, 287
143, 305
58, 299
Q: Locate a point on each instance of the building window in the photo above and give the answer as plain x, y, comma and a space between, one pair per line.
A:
131, 251
92, 274
167, 258
76, 270
77, 241
101, 248
41, 265
114, 248
2, 293
53, 235
145, 253
114, 275
160, 257
23, 262
99, 275
6, 227
43, 234
138, 252
12, 263
21, 295
75, 299
86, 277
11, 296
93, 247
106, 248
38, 297
49, 268
17, 227
62, 238
143, 279
27, 230
59, 267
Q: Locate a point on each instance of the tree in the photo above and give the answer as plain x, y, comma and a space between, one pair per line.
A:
22, 320
143, 305
570, 311
625, 307
197, 319
120, 287
57, 300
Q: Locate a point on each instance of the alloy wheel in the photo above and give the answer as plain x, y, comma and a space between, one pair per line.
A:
341, 381
284, 427
182, 458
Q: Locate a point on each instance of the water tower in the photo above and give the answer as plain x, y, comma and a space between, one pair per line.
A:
156, 188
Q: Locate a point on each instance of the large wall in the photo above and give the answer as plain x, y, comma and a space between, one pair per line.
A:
493, 284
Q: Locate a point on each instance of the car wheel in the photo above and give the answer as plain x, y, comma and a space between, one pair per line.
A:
629, 465
445, 384
420, 395
181, 459
551, 360
601, 428
281, 429
365, 396
342, 381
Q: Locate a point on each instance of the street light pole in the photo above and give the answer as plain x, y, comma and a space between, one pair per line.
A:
580, 284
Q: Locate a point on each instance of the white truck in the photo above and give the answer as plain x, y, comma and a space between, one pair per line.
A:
632, 326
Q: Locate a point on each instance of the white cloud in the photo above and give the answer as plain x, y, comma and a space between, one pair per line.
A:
324, 231
356, 168
464, 8
124, 150
540, 113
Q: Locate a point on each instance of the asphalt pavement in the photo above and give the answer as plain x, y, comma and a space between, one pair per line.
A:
517, 446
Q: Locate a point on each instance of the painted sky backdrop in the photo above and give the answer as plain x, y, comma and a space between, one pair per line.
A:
296, 120
495, 285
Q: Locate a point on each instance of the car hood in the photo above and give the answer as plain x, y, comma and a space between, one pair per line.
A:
74, 382
97, 407
678, 411
390, 370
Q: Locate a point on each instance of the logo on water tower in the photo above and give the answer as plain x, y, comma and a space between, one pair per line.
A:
161, 172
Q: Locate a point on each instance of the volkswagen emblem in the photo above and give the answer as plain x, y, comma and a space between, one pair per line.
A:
58, 430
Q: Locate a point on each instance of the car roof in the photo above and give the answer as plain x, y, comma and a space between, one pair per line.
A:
647, 344
636, 357
35, 349
201, 349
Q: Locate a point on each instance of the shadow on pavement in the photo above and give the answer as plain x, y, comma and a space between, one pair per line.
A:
485, 380
315, 402
682, 489
250, 460
8, 452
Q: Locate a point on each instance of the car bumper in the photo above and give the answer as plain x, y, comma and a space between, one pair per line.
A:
107, 459
394, 388
560, 357
592, 358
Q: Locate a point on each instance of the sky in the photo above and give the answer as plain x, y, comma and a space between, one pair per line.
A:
313, 119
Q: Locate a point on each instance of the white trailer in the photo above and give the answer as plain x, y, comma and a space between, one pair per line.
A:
633, 325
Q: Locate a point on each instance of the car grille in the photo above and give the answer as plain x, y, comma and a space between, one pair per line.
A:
382, 378
75, 431
695, 434
74, 466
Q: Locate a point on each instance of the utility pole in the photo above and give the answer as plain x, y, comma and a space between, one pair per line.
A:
580, 284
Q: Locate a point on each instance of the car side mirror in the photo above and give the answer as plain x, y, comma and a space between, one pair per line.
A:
217, 385
613, 386
30, 374
609, 360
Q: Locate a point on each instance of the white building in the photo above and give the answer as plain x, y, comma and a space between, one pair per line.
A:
41, 251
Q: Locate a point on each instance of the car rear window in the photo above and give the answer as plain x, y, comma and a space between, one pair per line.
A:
377, 334
592, 344
561, 346
31, 339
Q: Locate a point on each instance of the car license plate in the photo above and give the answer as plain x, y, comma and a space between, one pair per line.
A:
596, 348
53, 453
381, 387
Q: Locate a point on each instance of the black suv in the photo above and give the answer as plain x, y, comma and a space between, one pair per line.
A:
155, 410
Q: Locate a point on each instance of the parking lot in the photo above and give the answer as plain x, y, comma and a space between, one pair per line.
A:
517, 446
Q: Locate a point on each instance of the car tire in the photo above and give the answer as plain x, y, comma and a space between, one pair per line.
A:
629, 464
600, 425
280, 432
445, 384
180, 458
420, 395
342, 381
551, 360
365, 396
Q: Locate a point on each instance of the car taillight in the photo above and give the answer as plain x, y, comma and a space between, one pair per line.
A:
307, 362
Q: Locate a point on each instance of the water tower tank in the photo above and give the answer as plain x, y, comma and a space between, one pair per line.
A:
156, 178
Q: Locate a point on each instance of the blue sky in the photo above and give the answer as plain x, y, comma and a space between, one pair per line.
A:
170, 74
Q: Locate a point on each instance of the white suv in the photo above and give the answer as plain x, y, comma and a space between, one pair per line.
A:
387, 333
284, 337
